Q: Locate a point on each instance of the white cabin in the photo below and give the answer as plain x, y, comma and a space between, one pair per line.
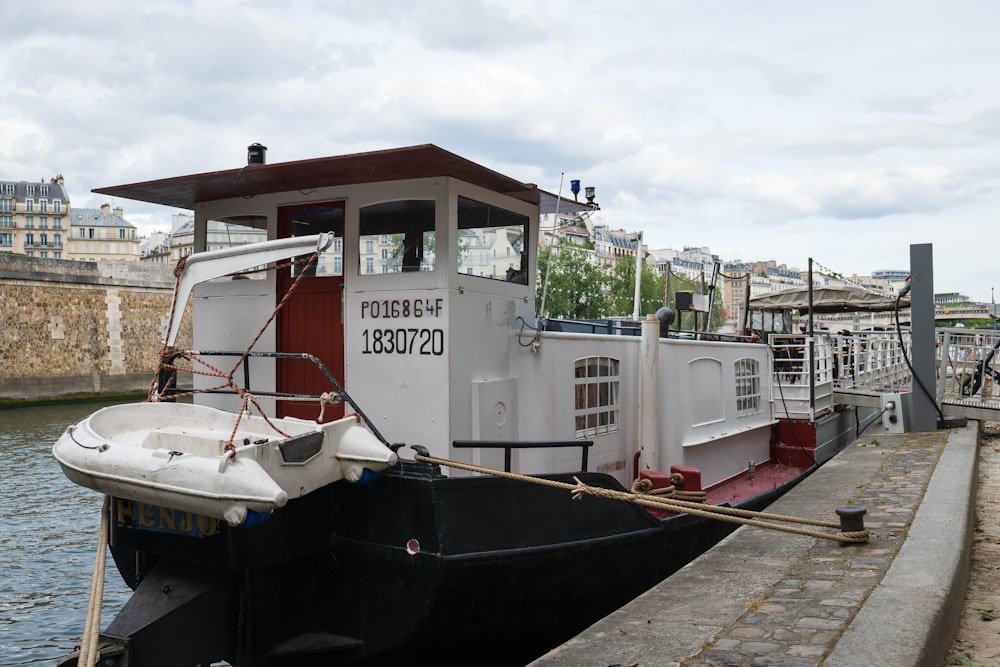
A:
424, 308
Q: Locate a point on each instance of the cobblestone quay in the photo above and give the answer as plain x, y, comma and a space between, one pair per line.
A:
765, 598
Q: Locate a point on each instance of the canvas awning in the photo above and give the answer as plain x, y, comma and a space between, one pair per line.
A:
826, 300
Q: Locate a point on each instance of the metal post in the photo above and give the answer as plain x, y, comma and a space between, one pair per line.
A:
943, 368
649, 395
925, 412
636, 305
812, 350
552, 250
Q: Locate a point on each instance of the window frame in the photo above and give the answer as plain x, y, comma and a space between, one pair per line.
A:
747, 386
596, 395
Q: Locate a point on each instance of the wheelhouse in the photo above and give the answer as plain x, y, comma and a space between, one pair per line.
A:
411, 305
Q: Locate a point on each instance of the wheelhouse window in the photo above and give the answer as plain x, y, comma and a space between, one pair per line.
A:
492, 242
397, 237
747, 387
595, 396
308, 220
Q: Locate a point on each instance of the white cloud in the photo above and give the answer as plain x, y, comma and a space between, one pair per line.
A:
772, 129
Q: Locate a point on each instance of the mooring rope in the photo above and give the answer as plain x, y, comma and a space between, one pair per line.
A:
730, 514
92, 626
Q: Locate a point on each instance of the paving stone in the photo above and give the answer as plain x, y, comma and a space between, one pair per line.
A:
723, 657
760, 647
817, 623
769, 661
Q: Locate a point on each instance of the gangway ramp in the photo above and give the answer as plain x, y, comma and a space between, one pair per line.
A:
972, 407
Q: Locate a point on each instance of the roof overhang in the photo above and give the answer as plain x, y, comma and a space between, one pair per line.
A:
424, 161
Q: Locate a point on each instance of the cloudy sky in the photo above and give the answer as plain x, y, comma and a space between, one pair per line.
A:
764, 129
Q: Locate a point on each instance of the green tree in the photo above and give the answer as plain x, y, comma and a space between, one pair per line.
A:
621, 289
575, 286
578, 289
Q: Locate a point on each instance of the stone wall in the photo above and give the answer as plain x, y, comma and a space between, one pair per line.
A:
69, 328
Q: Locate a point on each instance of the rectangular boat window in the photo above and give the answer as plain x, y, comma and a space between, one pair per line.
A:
595, 396
318, 220
492, 242
397, 237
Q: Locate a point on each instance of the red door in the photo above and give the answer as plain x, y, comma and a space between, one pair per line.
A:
311, 320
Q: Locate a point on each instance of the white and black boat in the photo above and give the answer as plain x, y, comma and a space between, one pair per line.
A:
406, 328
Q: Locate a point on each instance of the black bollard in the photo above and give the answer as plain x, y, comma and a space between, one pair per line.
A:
852, 519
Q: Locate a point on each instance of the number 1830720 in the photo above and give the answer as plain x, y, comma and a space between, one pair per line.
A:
403, 341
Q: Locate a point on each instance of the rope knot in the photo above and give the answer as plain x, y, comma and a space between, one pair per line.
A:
642, 485
325, 399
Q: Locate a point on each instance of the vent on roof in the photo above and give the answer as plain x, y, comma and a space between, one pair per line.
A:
256, 154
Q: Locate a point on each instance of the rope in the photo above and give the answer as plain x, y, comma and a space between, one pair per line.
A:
92, 626
644, 486
325, 399
730, 514
247, 399
277, 309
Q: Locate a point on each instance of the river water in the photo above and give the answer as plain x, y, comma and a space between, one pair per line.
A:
48, 540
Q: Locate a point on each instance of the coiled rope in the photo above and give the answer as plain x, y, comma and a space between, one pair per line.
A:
92, 626
730, 514
645, 486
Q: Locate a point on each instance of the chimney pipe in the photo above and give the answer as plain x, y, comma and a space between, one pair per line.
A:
256, 154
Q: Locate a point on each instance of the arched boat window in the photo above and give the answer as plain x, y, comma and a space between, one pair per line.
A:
492, 242
397, 237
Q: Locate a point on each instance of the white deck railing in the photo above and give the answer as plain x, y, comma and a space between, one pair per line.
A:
968, 367
804, 370
871, 360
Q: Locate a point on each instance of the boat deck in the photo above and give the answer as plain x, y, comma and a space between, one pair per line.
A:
766, 477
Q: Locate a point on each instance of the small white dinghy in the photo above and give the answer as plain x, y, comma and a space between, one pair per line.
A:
175, 455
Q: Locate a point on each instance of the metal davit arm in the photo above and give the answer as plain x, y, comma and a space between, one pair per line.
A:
204, 266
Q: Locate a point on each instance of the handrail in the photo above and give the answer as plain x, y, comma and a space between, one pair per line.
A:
167, 378
508, 445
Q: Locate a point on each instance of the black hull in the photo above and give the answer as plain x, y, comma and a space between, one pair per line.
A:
411, 569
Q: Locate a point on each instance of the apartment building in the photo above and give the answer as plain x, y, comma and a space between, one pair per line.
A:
34, 218
101, 234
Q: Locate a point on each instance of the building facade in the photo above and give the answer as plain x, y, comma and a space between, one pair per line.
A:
101, 234
34, 218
